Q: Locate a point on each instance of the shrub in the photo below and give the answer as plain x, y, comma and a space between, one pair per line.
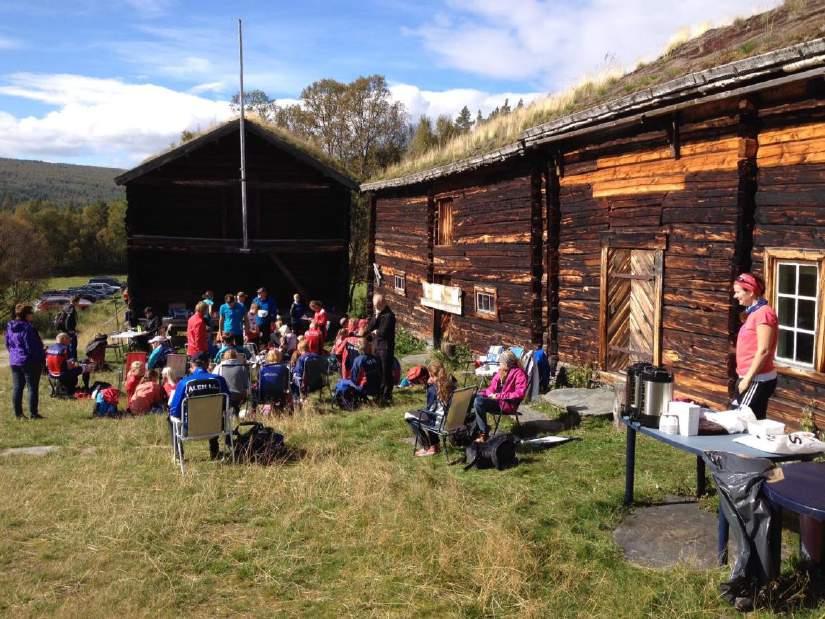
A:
407, 344
459, 361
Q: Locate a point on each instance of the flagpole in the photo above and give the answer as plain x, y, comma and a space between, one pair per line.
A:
243, 143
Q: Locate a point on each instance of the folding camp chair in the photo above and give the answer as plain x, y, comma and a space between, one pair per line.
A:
202, 418
177, 363
236, 374
315, 377
452, 420
515, 415
274, 387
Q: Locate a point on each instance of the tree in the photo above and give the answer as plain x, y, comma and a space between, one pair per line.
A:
445, 129
24, 259
464, 120
257, 102
479, 118
423, 137
187, 135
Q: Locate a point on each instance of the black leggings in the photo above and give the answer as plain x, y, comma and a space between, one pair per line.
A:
756, 396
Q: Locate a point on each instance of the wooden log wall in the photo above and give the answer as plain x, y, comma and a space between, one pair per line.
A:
639, 185
790, 215
401, 247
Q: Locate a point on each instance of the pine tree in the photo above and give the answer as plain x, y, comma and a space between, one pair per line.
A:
464, 121
423, 137
479, 118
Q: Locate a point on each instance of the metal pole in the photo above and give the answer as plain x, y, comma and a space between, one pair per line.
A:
243, 144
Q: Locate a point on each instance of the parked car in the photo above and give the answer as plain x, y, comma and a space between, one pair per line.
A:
104, 288
106, 280
87, 293
57, 302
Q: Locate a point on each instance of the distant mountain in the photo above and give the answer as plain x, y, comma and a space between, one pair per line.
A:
22, 180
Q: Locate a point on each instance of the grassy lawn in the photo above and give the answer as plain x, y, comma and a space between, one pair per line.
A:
108, 526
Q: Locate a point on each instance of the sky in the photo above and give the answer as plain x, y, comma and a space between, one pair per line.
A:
109, 82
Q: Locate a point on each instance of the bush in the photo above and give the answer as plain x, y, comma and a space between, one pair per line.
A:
407, 344
461, 360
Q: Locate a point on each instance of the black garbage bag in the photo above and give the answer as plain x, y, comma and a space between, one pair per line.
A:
753, 524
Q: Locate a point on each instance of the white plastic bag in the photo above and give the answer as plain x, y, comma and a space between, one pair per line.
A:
734, 421
784, 444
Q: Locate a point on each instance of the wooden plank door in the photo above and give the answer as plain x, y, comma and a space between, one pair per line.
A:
631, 312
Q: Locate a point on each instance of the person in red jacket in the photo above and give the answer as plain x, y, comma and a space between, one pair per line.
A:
505, 393
197, 334
314, 338
320, 318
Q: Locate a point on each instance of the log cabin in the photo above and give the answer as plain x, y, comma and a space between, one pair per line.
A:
184, 220
611, 235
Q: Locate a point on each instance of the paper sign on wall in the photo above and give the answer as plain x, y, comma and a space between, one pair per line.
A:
445, 298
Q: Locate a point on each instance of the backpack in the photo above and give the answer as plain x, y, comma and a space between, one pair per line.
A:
60, 320
498, 452
258, 443
346, 395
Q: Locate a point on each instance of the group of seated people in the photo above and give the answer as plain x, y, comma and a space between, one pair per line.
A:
148, 387
502, 396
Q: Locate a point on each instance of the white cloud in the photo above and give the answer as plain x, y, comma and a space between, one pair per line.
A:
554, 44
150, 8
9, 43
100, 121
434, 103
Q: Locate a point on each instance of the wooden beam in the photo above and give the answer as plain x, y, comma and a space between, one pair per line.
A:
371, 252
553, 232
288, 274
231, 245
228, 182
536, 261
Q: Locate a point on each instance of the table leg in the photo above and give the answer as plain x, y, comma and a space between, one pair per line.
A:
811, 539
701, 485
722, 533
630, 465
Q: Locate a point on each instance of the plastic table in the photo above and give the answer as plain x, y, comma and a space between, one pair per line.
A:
697, 445
802, 491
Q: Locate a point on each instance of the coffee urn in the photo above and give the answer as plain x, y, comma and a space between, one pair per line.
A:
633, 389
657, 392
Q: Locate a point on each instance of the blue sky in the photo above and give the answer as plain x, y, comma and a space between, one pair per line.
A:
108, 82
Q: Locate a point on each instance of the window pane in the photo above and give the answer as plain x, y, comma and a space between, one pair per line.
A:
785, 310
784, 344
787, 278
806, 314
804, 347
807, 281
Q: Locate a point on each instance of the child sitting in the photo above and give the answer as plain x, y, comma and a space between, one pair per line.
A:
314, 338
147, 395
133, 377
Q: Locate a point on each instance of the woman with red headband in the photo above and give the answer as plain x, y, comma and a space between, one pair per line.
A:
755, 346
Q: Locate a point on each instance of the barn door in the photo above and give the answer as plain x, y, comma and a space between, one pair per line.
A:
631, 306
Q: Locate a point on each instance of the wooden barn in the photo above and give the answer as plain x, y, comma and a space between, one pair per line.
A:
184, 220
612, 234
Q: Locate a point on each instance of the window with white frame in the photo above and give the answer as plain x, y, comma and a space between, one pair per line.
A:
399, 283
486, 302
797, 308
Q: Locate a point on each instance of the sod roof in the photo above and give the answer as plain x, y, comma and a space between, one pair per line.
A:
749, 53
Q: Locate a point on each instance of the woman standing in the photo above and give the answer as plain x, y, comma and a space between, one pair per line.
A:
755, 346
26, 357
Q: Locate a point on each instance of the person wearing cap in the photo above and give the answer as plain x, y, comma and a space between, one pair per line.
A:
197, 383
755, 346
230, 317
160, 349
267, 310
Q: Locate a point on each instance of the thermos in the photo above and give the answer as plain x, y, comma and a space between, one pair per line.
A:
657, 392
633, 389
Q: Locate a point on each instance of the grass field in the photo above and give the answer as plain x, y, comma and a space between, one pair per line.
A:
107, 526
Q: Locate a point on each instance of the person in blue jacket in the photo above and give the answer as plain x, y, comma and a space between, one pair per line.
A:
160, 350
267, 312
197, 382
26, 356
543, 366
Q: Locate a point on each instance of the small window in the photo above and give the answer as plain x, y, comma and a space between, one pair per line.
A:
486, 302
797, 308
400, 283
444, 222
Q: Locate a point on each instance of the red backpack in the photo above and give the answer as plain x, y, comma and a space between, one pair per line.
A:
418, 375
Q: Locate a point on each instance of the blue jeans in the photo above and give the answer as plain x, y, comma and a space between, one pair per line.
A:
482, 406
28, 375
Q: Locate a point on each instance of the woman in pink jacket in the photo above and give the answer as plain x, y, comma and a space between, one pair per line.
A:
507, 389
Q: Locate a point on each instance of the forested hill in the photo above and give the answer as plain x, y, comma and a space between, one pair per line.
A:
61, 183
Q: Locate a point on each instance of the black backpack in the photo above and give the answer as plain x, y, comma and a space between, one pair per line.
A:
60, 320
258, 443
498, 452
